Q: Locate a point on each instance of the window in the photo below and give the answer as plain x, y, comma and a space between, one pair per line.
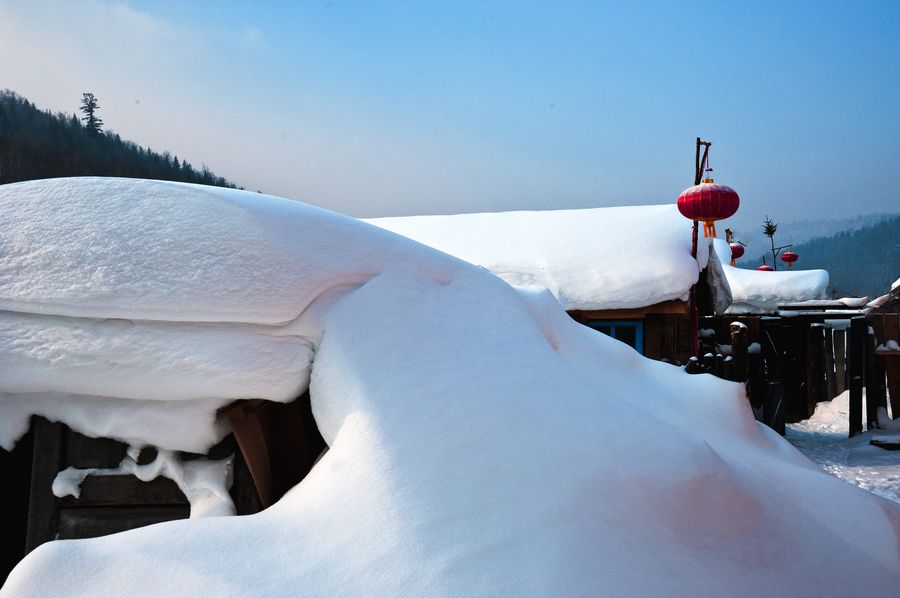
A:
630, 332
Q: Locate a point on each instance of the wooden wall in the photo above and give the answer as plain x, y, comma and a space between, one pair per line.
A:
667, 328
108, 503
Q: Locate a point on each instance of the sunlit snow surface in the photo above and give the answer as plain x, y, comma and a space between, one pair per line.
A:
598, 258
482, 443
824, 439
755, 292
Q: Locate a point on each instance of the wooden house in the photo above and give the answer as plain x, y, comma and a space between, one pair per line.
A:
625, 271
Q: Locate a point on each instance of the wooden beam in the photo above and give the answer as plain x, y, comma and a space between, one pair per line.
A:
638, 313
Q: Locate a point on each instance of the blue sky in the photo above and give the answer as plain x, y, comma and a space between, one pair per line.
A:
400, 108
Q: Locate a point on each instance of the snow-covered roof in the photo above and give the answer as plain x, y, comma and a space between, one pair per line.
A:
481, 441
600, 258
753, 291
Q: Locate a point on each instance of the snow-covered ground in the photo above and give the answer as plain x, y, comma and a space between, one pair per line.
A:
481, 442
824, 439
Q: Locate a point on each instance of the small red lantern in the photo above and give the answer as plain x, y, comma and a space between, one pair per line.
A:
737, 250
708, 202
766, 268
789, 257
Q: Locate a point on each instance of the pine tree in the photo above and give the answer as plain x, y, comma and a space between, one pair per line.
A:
89, 107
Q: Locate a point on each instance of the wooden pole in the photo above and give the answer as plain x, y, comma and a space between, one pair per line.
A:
876, 389
856, 357
695, 313
739, 351
817, 388
830, 385
840, 361
792, 336
773, 398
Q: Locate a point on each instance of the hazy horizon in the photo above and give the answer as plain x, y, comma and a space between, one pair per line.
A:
396, 109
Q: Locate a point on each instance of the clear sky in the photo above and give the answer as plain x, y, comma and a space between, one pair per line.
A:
398, 108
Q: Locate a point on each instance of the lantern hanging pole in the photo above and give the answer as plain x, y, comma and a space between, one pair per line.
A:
695, 314
700, 162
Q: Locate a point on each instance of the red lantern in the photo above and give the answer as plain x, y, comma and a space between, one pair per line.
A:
766, 268
737, 250
789, 257
708, 202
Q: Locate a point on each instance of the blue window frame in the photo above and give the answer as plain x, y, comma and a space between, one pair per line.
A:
630, 332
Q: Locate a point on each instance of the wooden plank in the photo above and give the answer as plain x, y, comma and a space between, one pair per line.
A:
770, 341
99, 521
876, 391
666, 307
682, 341
774, 407
817, 389
771, 386
124, 490
793, 367
891, 364
830, 387
653, 336
279, 442
739, 345
856, 351
891, 327
46, 459
876, 322
840, 361
756, 383
84, 452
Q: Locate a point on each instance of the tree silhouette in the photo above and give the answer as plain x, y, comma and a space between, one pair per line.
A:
770, 227
37, 144
89, 106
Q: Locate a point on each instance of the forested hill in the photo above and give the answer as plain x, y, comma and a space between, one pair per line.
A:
36, 144
861, 262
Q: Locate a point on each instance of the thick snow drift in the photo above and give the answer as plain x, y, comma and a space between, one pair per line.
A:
481, 442
601, 258
754, 292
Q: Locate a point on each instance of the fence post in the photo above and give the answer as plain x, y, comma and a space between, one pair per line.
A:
830, 385
816, 377
840, 361
772, 366
739, 351
876, 391
856, 359
793, 369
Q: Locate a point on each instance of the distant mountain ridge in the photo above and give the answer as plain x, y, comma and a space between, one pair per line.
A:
861, 262
800, 231
37, 144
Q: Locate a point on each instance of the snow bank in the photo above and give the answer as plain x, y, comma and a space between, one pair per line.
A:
482, 443
601, 258
761, 292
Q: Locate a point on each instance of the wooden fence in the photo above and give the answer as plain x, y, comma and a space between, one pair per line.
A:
790, 363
